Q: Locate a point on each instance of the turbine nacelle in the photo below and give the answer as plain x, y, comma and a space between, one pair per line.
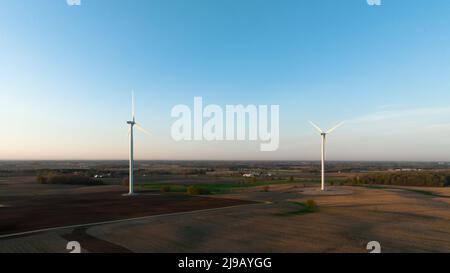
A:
327, 132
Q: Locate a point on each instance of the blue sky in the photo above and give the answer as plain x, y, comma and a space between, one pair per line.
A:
66, 74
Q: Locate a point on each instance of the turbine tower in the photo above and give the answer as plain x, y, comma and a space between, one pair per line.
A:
133, 123
324, 135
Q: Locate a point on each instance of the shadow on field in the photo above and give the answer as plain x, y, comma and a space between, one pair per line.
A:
93, 244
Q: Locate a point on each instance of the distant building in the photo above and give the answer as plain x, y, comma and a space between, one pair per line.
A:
408, 170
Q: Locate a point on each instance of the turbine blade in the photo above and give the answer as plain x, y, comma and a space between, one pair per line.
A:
335, 127
129, 131
132, 104
317, 127
139, 127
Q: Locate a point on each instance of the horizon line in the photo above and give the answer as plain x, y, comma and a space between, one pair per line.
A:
232, 160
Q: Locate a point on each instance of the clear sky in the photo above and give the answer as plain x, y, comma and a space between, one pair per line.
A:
66, 74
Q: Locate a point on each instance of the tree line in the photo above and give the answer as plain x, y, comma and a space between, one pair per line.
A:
67, 179
422, 179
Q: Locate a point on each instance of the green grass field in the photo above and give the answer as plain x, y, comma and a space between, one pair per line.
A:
309, 206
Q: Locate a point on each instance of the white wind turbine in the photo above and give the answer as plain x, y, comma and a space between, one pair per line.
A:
324, 135
133, 123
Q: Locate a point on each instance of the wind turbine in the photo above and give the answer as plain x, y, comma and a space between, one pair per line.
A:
324, 135
133, 123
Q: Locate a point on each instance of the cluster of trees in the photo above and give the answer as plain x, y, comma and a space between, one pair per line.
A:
422, 179
193, 190
174, 172
68, 179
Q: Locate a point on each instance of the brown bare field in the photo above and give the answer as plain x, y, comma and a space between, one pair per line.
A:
84, 205
402, 219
